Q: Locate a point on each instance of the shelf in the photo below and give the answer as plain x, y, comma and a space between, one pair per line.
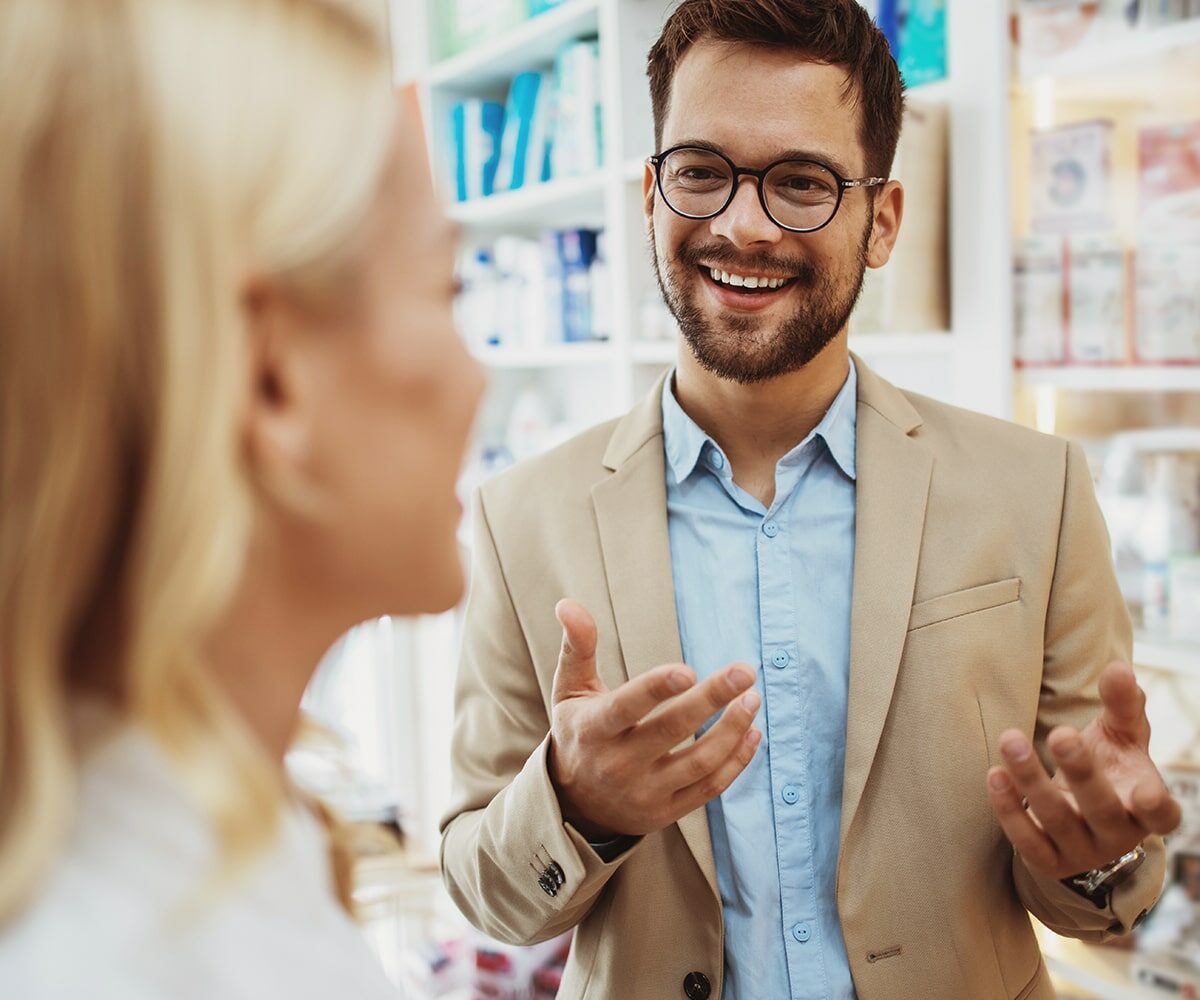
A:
1162, 653
532, 43
1115, 55
573, 202
655, 352
547, 356
875, 345
1117, 378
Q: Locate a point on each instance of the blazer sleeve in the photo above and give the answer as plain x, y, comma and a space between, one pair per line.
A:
1087, 627
505, 827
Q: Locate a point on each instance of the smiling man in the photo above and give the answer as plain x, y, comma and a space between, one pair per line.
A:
905, 723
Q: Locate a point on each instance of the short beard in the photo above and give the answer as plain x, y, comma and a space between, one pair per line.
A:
742, 350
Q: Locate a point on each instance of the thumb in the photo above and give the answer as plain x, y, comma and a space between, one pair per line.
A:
576, 674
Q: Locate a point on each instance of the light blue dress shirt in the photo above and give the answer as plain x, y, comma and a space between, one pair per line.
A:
772, 588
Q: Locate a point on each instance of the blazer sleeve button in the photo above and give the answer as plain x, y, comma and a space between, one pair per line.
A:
696, 986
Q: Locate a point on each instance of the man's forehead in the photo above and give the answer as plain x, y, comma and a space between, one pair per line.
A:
754, 99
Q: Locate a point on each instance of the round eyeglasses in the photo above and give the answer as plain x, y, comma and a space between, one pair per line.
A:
800, 196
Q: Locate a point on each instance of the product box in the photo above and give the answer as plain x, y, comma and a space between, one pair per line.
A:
1039, 289
1169, 178
1167, 299
1072, 179
916, 33
576, 145
505, 972
912, 291
1097, 300
525, 148
1156, 13
477, 127
1047, 28
923, 42
462, 24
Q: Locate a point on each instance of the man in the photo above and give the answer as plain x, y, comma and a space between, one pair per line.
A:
900, 610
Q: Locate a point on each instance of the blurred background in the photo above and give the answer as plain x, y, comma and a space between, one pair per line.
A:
1048, 272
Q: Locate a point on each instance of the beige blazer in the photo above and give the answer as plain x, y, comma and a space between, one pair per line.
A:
984, 598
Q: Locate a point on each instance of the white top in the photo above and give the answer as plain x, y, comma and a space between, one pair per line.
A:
110, 924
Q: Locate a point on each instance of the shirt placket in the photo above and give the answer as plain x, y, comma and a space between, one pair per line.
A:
786, 689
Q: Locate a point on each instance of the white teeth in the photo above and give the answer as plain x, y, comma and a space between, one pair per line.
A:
740, 281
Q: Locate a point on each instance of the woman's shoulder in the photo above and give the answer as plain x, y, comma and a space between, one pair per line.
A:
122, 913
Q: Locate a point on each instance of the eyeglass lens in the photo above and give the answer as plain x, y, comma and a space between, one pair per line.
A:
799, 194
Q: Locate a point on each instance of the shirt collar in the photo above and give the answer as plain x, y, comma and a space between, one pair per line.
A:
685, 442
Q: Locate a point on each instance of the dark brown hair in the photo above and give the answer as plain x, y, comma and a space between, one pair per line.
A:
837, 32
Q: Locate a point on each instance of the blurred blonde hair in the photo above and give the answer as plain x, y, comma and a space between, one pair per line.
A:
153, 154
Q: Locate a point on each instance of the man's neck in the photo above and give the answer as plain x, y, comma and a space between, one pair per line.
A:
756, 425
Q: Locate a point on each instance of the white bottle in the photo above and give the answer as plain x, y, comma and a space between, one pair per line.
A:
601, 279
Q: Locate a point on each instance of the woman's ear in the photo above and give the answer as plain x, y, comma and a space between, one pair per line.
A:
278, 424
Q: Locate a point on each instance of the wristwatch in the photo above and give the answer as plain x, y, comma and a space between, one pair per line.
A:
1098, 884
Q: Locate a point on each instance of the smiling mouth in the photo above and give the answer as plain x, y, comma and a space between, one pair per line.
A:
744, 284
747, 285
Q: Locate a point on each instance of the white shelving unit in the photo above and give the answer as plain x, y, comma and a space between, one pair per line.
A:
1131, 76
566, 203
1123, 48
1114, 378
534, 42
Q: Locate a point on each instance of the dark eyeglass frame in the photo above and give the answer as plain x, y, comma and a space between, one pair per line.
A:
843, 185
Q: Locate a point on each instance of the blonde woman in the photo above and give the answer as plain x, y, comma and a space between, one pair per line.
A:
232, 413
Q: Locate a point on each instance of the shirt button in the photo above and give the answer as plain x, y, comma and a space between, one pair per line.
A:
717, 461
791, 794
770, 529
781, 658
802, 932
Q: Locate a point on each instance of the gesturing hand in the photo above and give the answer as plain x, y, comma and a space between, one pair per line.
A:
612, 762
1105, 798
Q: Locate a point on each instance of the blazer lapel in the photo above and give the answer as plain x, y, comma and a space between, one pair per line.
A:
631, 512
894, 474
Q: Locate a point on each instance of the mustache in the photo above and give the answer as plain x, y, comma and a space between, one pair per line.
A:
697, 256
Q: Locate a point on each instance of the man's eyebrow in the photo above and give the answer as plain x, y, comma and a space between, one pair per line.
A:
816, 155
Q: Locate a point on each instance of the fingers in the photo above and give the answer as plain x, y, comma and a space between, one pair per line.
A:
714, 748
702, 792
1036, 849
625, 707
1154, 808
1111, 826
576, 673
1056, 815
1124, 705
680, 720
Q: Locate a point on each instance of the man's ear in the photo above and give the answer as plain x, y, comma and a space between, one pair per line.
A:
648, 190
889, 211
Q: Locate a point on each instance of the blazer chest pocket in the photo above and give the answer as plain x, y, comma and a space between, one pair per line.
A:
964, 602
